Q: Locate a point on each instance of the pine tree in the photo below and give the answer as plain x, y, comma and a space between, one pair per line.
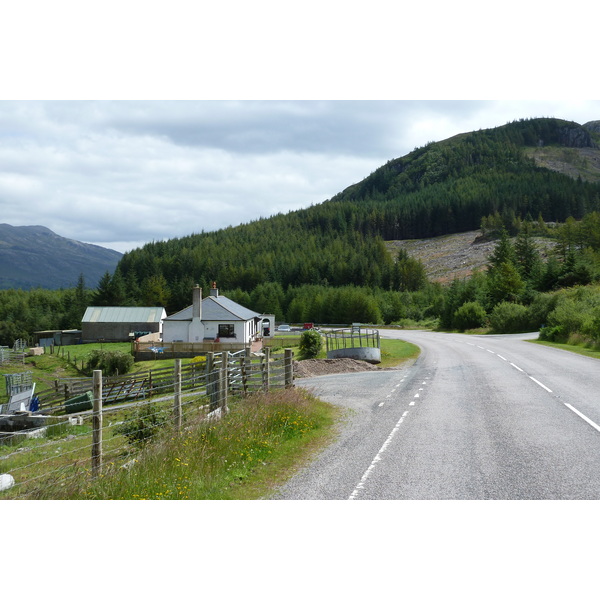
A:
504, 252
526, 254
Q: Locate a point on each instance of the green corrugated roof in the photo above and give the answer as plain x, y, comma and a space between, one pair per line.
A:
123, 314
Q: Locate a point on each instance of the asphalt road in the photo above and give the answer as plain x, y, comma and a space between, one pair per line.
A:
475, 417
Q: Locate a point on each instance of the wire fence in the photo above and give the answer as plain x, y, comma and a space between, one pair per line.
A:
84, 443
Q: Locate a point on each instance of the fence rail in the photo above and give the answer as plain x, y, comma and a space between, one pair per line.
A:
187, 348
154, 382
70, 443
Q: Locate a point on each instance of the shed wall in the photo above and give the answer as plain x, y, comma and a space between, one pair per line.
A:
114, 332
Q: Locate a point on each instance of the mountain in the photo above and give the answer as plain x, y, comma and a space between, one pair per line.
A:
34, 256
442, 188
447, 187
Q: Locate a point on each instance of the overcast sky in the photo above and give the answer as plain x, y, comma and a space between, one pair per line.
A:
123, 173
134, 123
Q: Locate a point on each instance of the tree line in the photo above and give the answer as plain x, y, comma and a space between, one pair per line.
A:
518, 291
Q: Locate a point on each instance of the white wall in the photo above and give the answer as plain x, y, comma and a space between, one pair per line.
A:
180, 331
175, 331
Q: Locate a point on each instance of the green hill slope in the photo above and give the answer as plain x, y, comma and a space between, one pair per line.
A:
442, 188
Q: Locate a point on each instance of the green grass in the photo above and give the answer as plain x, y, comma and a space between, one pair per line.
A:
396, 352
577, 349
45, 369
246, 455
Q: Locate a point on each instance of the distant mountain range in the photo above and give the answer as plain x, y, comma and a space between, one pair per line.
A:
34, 256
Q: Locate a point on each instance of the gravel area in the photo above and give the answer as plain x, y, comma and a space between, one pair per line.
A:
330, 366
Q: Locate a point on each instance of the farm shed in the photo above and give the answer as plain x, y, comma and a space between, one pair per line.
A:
57, 337
116, 323
215, 319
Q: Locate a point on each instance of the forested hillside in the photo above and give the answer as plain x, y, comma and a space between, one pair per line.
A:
441, 188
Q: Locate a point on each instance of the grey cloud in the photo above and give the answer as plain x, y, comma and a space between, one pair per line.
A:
343, 127
115, 173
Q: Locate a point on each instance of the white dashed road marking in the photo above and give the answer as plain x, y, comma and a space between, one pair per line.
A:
589, 421
540, 384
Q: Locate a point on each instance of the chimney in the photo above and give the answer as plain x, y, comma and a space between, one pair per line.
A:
214, 291
197, 305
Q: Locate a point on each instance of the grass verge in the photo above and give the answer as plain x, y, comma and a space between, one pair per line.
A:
577, 349
396, 352
248, 453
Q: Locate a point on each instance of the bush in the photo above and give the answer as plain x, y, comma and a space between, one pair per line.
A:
539, 309
552, 334
571, 316
311, 343
144, 425
509, 318
110, 362
469, 316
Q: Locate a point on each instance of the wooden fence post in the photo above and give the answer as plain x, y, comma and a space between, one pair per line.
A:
224, 385
97, 425
211, 382
244, 374
266, 369
177, 416
288, 367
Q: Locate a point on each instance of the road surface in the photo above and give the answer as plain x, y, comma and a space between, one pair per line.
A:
475, 417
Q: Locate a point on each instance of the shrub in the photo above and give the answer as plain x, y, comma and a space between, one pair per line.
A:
552, 334
311, 343
509, 318
539, 309
144, 425
572, 316
110, 362
469, 316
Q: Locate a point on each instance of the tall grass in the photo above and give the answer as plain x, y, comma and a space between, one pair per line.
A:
241, 456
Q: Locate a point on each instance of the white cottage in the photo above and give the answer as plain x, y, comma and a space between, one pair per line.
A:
216, 319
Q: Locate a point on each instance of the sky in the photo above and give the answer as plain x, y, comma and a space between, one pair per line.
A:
123, 173
132, 123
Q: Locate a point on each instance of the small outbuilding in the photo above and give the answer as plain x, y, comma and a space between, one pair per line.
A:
57, 337
121, 323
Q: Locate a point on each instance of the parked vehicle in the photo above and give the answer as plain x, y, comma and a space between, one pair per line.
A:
284, 328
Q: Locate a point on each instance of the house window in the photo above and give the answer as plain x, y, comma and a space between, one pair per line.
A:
226, 331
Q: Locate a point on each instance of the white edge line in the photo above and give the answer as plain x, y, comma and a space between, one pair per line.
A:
589, 421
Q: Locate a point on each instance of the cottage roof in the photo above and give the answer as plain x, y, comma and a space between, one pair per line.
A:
217, 308
123, 314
